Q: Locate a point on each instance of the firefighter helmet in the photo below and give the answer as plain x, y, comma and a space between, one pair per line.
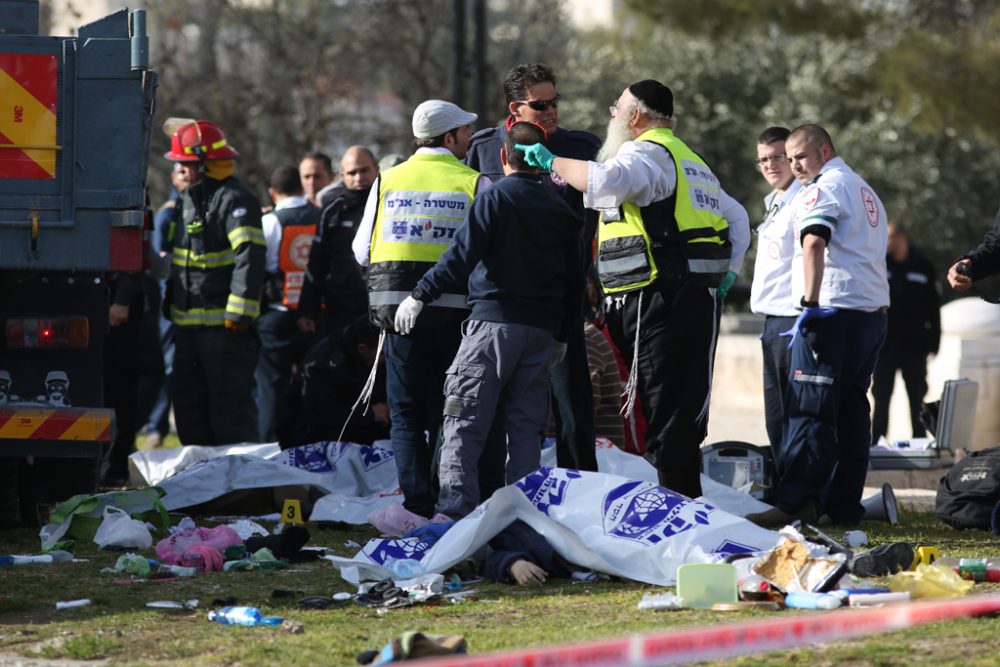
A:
195, 140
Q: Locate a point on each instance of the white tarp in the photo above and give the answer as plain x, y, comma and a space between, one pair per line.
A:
625, 527
357, 479
152, 466
343, 469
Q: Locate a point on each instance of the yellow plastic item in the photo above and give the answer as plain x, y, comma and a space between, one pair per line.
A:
291, 512
929, 582
925, 555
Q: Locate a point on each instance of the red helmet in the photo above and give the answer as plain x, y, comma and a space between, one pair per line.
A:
197, 140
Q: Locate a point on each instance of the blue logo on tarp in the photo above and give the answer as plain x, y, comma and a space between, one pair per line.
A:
649, 513
546, 487
372, 456
312, 458
729, 548
384, 551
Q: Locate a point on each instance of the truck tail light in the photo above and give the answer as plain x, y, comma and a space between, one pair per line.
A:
47, 333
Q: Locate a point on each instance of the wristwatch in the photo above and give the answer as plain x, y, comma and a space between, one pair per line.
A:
808, 304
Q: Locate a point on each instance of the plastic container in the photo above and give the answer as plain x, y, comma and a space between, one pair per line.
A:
973, 569
242, 616
806, 600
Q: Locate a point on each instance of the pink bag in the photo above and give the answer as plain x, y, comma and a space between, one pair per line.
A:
170, 550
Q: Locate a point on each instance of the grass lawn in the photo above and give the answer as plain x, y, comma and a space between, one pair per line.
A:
119, 629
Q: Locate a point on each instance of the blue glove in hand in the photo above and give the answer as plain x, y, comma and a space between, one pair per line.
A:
807, 314
722, 290
537, 155
430, 532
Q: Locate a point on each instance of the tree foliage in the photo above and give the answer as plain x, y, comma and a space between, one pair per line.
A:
282, 77
909, 108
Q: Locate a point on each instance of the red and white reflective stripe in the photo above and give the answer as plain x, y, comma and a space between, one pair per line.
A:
689, 645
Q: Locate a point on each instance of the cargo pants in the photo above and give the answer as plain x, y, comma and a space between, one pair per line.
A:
501, 371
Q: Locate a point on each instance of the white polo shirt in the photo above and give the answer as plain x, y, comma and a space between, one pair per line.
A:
854, 276
771, 290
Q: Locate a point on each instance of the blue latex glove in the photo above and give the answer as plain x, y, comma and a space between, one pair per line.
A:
807, 315
722, 290
537, 155
430, 532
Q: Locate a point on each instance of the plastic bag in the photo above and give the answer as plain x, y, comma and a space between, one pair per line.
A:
79, 517
930, 581
118, 529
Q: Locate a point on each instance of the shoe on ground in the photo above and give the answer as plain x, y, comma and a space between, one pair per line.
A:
884, 560
779, 518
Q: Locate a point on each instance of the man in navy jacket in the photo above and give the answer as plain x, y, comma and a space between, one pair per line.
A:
519, 255
530, 93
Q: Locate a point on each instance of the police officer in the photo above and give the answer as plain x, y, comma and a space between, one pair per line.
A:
530, 93
289, 230
663, 247
213, 294
771, 290
412, 215
334, 293
913, 330
839, 274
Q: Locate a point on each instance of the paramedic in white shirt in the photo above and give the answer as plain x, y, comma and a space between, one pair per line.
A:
771, 290
839, 279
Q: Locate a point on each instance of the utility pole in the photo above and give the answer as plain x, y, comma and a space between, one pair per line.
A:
458, 52
479, 57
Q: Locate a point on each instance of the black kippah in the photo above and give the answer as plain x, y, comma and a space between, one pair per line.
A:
654, 95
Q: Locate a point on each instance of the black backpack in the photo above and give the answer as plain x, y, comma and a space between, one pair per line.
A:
967, 495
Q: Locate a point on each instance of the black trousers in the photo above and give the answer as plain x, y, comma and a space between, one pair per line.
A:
573, 405
677, 334
121, 386
913, 364
213, 386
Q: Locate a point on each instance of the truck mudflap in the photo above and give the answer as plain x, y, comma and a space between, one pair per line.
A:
55, 431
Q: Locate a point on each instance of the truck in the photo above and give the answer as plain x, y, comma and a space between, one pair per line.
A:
76, 118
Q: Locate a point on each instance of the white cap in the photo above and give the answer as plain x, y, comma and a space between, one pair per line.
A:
435, 117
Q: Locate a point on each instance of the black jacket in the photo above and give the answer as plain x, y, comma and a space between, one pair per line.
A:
986, 258
322, 392
914, 321
218, 255
518, 253
333, 278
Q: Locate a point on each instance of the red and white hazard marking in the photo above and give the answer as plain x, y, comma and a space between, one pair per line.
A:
689, 645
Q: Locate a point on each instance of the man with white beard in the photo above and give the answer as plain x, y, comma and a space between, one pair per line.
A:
669, 237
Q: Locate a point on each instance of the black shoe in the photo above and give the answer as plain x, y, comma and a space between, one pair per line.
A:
779, 518
884, 560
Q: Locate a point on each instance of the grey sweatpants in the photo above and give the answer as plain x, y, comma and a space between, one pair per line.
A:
499, 368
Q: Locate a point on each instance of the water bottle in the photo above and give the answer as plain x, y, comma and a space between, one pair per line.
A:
809, 600
754, 587
51, 557
973, 569
242, 616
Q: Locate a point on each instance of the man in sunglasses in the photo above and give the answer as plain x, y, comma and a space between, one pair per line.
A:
530, 92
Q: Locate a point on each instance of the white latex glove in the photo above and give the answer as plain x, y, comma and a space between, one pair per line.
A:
406, 315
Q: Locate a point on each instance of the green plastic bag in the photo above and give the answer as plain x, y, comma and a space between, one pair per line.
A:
79, 517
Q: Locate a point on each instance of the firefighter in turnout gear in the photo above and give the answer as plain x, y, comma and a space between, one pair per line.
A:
214, 291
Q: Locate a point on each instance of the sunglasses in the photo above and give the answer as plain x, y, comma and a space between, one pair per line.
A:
542, 105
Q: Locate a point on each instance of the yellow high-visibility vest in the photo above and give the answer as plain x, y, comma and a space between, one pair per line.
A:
625, 255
